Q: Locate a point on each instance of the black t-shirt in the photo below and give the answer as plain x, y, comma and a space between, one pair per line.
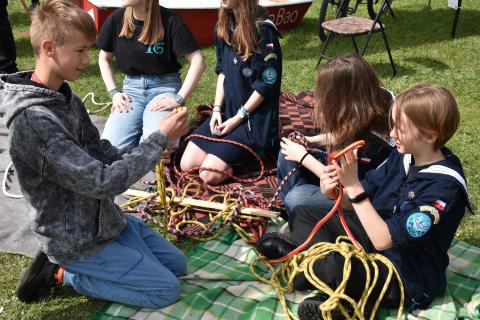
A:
135, 58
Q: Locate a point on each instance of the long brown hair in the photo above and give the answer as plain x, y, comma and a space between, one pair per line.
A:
349, 102
242, 33
153, 31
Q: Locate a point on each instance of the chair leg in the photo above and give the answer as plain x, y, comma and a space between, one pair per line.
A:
455, 19
355, 44
389, 52
392, 13
325, 44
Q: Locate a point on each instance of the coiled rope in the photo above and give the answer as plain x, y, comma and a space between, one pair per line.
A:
296, 262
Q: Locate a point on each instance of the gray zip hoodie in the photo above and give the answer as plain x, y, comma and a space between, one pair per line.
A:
67, 174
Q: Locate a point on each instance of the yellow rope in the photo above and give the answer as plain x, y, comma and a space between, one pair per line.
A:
282, 278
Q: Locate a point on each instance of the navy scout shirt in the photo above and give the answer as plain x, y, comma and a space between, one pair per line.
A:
422, 207
262, 72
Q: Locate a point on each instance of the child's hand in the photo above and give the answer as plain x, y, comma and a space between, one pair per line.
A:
215, 121
175, 124
229, 125
292, 150
347, 169
165, 103
121, 102
329, 181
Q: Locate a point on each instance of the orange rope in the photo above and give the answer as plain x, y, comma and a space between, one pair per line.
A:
336, 207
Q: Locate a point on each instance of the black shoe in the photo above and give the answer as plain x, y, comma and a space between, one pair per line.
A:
274, 245
37, 279
309, 309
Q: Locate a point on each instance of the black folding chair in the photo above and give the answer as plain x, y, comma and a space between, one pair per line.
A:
354, 26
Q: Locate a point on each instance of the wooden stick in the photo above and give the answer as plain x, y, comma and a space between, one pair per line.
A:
207, 204
25, 7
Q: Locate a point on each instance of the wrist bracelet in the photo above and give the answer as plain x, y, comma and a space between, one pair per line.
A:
304, 156
217, 108
112, 92
359, 197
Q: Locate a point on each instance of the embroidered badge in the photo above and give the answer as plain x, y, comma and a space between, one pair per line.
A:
365, 160
433, 211
247, 72
410, 195
270, 56
269, 76
440, 205
269, 46
235, 60
418, 224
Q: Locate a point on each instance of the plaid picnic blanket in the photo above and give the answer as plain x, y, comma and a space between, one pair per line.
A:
220, 286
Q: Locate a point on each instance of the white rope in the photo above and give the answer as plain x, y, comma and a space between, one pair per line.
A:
4, 183
92, 99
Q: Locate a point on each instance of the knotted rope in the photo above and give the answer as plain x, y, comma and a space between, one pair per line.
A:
297, 262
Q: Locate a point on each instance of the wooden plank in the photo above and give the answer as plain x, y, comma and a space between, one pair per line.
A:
207, 204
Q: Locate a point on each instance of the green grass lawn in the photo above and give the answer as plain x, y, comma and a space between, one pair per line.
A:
422, 50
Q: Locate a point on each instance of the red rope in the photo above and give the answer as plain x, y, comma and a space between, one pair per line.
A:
188, 173
336, 207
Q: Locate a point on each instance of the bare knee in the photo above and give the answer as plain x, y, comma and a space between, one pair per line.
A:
211, 177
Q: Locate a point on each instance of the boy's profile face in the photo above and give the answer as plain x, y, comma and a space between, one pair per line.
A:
71, 58
408, 138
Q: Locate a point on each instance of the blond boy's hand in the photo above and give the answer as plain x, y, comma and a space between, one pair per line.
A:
175, 124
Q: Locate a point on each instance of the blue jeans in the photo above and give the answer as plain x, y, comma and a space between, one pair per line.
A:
128, 129
302, 188
138, 268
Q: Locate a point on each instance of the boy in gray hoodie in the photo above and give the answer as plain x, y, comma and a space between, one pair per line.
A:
69, 176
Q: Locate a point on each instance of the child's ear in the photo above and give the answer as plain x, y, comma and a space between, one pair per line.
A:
430, 138
48, 47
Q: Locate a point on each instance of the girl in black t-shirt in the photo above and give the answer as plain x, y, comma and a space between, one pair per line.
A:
146, 41
249, 68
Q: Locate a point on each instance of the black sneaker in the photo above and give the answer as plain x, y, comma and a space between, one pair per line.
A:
309, 309
274, 245
37, 279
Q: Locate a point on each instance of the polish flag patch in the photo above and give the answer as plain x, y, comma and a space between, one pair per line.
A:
269, 46
365, 160
440, 205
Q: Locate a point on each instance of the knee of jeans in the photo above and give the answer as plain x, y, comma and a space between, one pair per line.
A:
293, 199
179, 265
169, 294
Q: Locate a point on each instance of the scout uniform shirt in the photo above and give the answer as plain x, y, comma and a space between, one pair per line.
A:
262, 72
422, 207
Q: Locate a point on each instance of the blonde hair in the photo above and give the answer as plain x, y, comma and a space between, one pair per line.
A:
431, 108
56, 20
153, 31
349, 101
241, 34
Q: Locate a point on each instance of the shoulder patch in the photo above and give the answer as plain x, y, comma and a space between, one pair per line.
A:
270, 56
269, 75
432, 211
418, 224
